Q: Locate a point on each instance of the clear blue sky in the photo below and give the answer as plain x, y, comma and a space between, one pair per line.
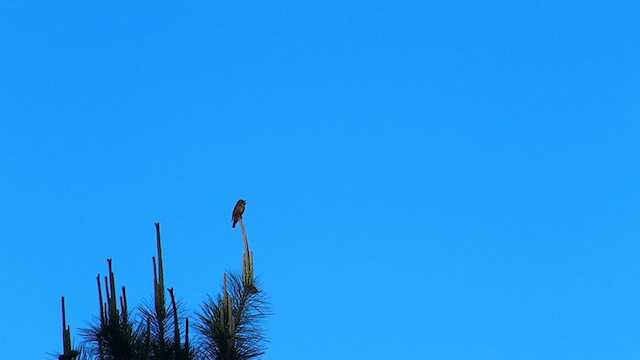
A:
425, 180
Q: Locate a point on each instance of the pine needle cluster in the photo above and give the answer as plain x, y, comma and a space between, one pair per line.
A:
226, 327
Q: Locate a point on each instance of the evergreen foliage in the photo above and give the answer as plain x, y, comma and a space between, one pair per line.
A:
227, 327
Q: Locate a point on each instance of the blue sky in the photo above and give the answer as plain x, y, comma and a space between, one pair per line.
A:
425, 180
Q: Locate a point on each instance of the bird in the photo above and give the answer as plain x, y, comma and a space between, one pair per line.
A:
237, 212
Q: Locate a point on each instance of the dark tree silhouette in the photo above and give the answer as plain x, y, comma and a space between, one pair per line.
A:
227, 327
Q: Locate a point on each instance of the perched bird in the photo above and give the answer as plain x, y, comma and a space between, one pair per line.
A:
237, 212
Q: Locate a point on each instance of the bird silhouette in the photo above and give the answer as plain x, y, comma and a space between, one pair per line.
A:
237, 212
